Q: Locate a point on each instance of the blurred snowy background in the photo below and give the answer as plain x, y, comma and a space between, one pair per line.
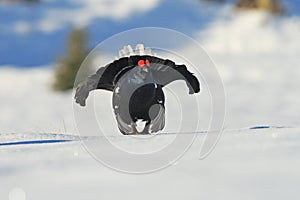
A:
255, 51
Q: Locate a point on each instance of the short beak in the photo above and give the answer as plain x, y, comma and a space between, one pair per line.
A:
145, 69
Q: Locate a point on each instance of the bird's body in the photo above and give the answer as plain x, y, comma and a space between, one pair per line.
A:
145, 98
137, 84
136, 98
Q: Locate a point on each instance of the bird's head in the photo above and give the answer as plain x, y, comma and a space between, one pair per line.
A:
143, 68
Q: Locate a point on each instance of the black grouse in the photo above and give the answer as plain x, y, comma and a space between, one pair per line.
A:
137, 84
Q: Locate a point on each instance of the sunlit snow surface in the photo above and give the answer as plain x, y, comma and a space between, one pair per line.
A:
256, 164
261, 79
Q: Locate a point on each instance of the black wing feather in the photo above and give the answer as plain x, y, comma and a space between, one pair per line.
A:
163, 71
166, 71
104, 79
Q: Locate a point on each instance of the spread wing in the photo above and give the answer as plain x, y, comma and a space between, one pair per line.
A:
163, 71
104, 78
166, 71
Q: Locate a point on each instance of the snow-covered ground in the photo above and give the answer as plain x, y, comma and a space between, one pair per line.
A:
257, 57
257, 164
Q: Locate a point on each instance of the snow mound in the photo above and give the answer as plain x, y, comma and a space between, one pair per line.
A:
252, 32
29, 105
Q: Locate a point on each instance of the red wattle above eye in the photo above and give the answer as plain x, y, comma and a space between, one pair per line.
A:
141, 63
148, 63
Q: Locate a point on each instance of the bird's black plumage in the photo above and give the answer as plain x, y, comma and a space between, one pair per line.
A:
137, 83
